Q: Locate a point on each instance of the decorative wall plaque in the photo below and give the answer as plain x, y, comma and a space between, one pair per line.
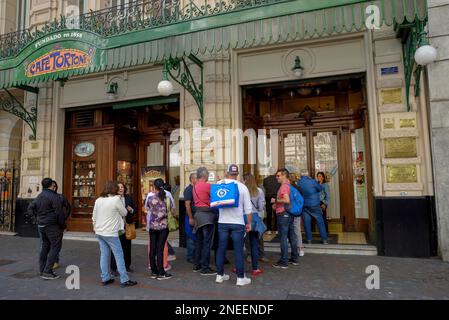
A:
84, 149
400, 148
402, 174
391, 96
34, 145
389, 123
34, 164
407, 123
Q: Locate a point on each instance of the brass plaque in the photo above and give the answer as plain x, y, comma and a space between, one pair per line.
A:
389, 123
34, 145
402, 174
407, 123
34, 164
400, 148
391, 96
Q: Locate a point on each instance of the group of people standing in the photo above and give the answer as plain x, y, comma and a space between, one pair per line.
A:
238, 227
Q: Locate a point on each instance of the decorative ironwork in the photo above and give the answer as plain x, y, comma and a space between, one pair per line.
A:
413, 36
180, 72
136, 15
15, 107
9, 188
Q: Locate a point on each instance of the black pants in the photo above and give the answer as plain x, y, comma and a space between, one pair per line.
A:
270, 214
157, 244
51, 237
203, 245
126, 247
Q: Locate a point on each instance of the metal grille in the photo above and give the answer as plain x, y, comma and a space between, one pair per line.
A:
85, 119
9, 189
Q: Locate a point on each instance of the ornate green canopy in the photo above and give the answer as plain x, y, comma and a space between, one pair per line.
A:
58, 52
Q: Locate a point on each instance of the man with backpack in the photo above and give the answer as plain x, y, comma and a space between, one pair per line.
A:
311, 190
285, 218
234, 206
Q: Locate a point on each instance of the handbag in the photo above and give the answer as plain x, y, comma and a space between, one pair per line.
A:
172, 220
130, 231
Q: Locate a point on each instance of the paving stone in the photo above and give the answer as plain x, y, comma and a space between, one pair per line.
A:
316, 277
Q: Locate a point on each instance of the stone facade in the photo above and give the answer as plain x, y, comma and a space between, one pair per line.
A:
439, 114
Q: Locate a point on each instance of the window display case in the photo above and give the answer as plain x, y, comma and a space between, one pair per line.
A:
83, 186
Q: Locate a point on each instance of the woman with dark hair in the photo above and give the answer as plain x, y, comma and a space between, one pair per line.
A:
157, 226
325, 196
128, 203
107, 218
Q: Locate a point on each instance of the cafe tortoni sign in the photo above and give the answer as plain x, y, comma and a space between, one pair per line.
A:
59, 60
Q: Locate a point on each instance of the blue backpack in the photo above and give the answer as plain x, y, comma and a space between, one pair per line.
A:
224, 195
296, 202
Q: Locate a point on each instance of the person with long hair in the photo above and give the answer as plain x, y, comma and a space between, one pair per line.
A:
128, 203
254, 241
157, 226
325, 196
107, 219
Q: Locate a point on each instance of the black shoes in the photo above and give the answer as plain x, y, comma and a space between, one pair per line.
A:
49, 276
196, 269
208, 272
154, 275
165, 276
280, 265
293, 262
128, 283
105, 283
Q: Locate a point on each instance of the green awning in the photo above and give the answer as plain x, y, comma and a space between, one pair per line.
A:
284, 21
144, 102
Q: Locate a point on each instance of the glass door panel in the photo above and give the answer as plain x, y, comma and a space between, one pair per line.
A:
359, 174
325, 152
295, 153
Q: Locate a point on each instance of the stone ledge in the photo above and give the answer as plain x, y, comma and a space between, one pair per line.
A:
390, 161
399, 134
403, 187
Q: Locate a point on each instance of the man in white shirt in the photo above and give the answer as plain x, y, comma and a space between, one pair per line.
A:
231, 222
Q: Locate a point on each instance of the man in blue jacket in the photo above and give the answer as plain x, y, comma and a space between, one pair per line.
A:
310, 190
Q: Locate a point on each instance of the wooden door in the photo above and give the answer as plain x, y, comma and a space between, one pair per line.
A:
325, 150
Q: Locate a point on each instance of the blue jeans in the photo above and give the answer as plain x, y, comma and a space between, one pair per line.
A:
317, 214
190, 246
203, 245
287, 233
254, 243
237, 232
106, 245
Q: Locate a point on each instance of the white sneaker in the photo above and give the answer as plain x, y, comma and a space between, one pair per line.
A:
222, 278
301, 253
243, 281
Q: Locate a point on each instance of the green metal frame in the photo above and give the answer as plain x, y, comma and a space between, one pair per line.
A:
414, 37
15, 107
179, 71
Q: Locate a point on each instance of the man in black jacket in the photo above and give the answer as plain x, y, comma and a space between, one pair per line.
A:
271, 186
67, 208
51, 221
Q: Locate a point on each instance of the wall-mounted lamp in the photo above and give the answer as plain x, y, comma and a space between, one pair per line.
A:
425, 54
165, 87
112, 92
297, 69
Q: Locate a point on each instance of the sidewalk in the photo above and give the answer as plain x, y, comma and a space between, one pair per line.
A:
317, 277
